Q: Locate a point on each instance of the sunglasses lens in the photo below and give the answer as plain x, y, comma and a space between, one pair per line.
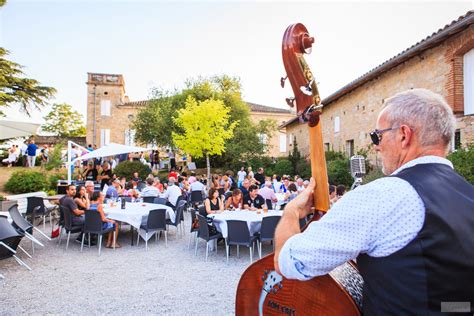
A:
374, 137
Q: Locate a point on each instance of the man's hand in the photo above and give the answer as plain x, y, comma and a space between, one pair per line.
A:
303, 203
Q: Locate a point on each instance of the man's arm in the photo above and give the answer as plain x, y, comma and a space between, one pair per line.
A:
289, 224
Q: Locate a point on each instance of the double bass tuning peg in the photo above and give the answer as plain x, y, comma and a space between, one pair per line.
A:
282, 81
290, 101
307, 89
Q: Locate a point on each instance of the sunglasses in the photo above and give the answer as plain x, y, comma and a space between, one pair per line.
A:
376, 135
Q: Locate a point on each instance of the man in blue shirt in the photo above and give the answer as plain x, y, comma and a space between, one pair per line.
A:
31, 152
411, 232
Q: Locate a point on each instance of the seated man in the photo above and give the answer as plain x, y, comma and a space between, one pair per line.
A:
267, 192
68, 202
89, 188
150, 189
254, 201
173, 192
114, 190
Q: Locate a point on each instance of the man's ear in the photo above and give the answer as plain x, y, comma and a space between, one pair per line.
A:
406, 135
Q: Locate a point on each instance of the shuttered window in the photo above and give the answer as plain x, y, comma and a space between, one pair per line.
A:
468, 70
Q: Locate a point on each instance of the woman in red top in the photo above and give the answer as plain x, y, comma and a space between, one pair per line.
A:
234, 201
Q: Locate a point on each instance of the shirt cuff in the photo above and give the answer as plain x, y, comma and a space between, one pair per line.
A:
289, 266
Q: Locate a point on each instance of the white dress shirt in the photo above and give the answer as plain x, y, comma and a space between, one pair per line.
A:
378, 219
172, 194
150, 190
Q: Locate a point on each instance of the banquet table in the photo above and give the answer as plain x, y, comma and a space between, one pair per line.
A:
253, 219
136, 214
281, 200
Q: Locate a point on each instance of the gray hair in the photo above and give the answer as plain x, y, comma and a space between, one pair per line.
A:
424, 111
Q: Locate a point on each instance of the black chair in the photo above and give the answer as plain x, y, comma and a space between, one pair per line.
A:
204, 233
141, 185
35, 207
194, 228
67, 224
155, 223
196, 197
126, 198
24, 227
202, 210
267, 231
9, 240
238, 234
93, 225
159, 200
149, 199
269, 204
178, 215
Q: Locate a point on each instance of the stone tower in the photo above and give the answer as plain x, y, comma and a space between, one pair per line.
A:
105, 93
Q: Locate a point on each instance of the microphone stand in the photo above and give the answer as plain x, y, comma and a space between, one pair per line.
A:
357, 182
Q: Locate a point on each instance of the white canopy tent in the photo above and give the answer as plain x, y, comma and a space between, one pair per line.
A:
111, 149
12, 128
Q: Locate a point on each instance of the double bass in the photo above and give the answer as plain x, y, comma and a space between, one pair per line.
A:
261, 290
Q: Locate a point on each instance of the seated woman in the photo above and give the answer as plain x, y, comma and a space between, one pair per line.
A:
213, 203
235, 200
82, 199
291, 192
97, 201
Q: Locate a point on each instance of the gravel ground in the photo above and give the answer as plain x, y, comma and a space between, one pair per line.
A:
165, 280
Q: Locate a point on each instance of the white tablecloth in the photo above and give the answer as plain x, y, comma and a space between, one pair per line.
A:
136, 213
254, 220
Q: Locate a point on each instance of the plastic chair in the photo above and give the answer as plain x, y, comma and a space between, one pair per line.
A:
267, 231
93, 225
178, 216
194, 229
68, 225
155, 223
238, 234
9, 240
159, 200
24, 227
269, 204
203, 233
126, 198
149, 199
35, 207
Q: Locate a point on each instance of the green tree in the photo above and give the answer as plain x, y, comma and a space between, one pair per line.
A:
294, 156
155, 124
14, 88
205, 127
64, 121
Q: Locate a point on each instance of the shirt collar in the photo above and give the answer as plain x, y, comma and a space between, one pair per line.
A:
424, 160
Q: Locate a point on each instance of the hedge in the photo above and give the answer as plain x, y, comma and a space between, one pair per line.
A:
27, 181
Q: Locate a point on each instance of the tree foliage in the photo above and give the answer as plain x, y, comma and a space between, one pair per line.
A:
463, 162
64, 121
205, 126
156, 124
14, 88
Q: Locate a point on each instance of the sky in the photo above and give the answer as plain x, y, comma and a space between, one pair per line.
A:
163, 43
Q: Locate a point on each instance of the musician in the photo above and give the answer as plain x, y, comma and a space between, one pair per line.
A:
411, 232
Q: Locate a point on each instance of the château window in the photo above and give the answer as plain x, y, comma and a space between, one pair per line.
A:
283, 143
350, 148
337, 124
468, 73
105, 107
104, 137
